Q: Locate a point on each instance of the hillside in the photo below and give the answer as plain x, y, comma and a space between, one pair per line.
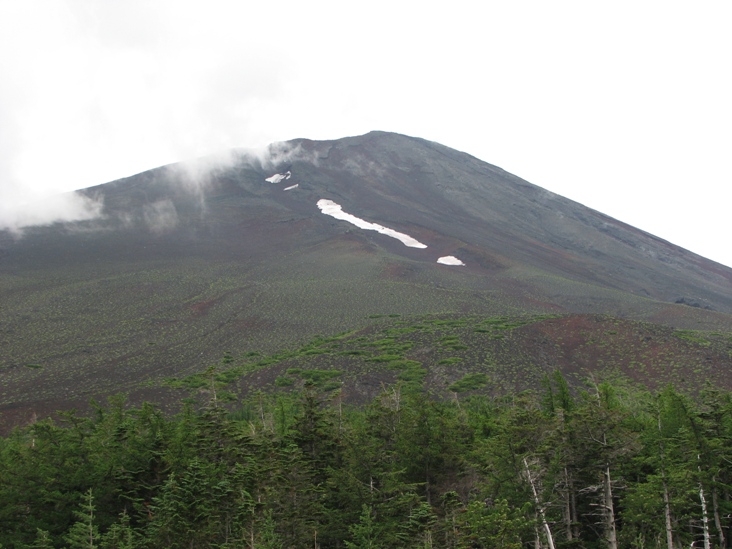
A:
245, 253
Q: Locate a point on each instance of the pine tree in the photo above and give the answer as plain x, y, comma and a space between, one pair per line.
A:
42, 541
84, 533
603, 442
365, 533
120, 535
715, 423
492, 525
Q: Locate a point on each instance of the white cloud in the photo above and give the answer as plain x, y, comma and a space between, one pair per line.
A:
622, 106
63, 208
160, 216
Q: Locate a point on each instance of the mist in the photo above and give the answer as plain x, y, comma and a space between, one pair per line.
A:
16, 215
19, 210
160, 216
196, 175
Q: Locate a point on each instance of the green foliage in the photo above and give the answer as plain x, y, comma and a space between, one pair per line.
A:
283, 381
469, 382
84, 533
406, 469
319, 376
693, 336
493, 525
42, 541
120, 535
413, 374
365, 533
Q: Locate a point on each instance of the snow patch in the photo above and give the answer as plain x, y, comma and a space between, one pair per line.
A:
328, 207
450, 260
279, 177
295, 186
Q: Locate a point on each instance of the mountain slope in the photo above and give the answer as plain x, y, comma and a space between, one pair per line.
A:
234, 254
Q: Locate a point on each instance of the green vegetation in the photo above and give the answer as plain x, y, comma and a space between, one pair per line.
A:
404, 470
316, 377
444, 349
109, 328
469, 383
693, 336
284, 381
349, 447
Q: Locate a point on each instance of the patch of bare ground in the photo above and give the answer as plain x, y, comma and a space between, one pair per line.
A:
651, 354
200, 308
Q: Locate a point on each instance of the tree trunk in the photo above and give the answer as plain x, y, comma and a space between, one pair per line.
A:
568, 507
717, 519
666, 499
705, 518
667, 514
539, 506
612, 537
575, 517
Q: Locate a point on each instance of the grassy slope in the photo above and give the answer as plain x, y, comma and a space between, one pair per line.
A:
67, 336
122, 304
457, 354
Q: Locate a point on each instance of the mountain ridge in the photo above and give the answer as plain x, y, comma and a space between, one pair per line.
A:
191, 260
540, 198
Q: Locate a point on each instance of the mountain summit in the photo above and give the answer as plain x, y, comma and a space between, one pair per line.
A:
452, 201
257, 252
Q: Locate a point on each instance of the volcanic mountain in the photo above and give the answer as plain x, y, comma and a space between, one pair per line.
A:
250, 253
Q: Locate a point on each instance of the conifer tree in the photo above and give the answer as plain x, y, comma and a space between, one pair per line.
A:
365, 533
84, 533
120, 535
42, 541
492, 525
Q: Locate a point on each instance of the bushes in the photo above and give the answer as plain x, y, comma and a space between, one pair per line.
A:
469, 383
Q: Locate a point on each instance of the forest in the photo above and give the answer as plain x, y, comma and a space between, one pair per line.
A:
608, 464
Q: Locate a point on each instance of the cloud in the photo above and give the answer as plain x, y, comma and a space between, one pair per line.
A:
196, 175
95, 91
278, 155
63, 208
160, 216
361, 166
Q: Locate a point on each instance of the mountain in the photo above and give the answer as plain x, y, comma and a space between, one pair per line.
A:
248, 253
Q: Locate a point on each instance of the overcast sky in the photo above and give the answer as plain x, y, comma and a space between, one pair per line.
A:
624, 106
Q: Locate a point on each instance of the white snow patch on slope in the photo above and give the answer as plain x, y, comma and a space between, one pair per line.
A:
278, 177
450, 260
295, 186
328, 207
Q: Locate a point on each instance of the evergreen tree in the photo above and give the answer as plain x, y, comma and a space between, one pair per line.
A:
492, 525
84, 533
603, 441
120, 535
42, 541
365, 533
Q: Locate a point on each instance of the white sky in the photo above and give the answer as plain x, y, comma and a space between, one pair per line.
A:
624, 106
